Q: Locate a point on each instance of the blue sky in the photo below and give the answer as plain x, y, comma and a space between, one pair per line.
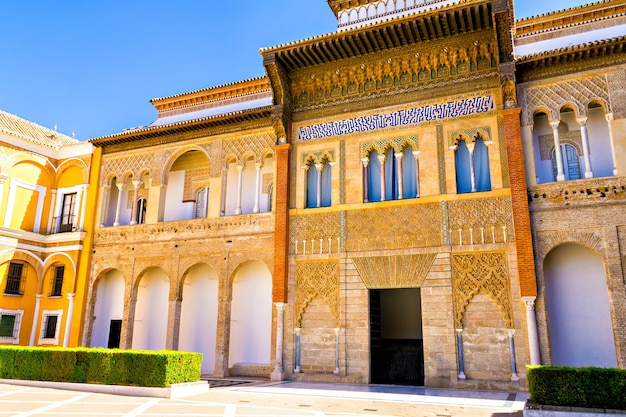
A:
91, 67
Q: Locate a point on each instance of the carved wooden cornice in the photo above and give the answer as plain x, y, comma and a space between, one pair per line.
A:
572, 59
410, 30
231, 122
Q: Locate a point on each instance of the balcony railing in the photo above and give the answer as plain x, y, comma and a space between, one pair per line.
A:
585, 192
63, 224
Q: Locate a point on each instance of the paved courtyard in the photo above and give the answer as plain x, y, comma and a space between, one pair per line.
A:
267, 399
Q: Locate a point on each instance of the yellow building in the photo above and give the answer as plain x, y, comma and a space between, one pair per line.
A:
44, 184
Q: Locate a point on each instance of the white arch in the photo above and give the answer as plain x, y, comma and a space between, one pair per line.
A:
151, 310
251, 315
577, 303
198, 317
109, 306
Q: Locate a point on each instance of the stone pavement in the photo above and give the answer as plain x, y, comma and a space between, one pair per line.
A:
267, 399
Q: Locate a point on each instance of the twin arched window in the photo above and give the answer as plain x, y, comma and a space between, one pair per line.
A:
392, 175
318, 183
472, 166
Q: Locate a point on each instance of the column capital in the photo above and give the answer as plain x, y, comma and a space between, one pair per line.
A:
38, 297
365, 161
258, 166
609, 117
70, 296
529, 301
581, 120
119, 185
239, 168
280, 306
555, 124
381, 158
136, 183
318, 167
398, 155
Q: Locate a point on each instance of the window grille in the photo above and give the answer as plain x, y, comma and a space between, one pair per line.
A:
15, 283
50, 327
56, 283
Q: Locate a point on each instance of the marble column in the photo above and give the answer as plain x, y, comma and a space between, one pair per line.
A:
531, 324
278, 374
560, 176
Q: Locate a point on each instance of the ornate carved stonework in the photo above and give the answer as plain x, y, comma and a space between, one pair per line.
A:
314, 227
240, 148
457, 57
399, 271
485, 272
415, 225
488, 214
469, 136
317, 279
397, 144
131, 162
550, 98
319, 156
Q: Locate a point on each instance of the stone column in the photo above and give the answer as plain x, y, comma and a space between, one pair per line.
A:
417, 172
336, 372
278, 374
583, 134
609, 120
53, 202
318, 200
133, 216
83, 208
33, 330
514, 376
68, 322
239, 188
365, 162
297, 359
459, 344
306, 185
105, 205
120, 188
381, 159
399, 156
257, 188
560, 176
531, 324
470, 148
224, 186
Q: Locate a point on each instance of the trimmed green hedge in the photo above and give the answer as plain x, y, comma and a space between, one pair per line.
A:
100, 366
577, 387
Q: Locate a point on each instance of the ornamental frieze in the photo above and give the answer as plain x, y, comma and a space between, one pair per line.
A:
409, 117
420, 67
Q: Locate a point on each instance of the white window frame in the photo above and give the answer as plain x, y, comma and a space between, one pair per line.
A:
44, 317
19, 315
15, 183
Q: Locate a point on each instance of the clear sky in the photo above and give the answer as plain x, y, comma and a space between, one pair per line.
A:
91, 67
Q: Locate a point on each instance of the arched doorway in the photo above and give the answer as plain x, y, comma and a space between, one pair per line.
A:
577, 303
108, 311
151, 311
198, 317
251, 315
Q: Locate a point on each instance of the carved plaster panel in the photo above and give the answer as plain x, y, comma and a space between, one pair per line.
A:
577, 93
400, 271
381, 146
476, 273
240, 148
317, 279
394, 227
133, 162
489, 214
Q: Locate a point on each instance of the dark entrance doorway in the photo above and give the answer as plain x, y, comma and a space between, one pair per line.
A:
396, 343
115, 330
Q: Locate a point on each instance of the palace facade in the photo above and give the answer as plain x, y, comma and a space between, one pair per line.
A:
430, 195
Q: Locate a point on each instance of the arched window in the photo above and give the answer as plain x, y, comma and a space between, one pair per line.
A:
393, 176
202, 202
318, 184
141, 211
472, 166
